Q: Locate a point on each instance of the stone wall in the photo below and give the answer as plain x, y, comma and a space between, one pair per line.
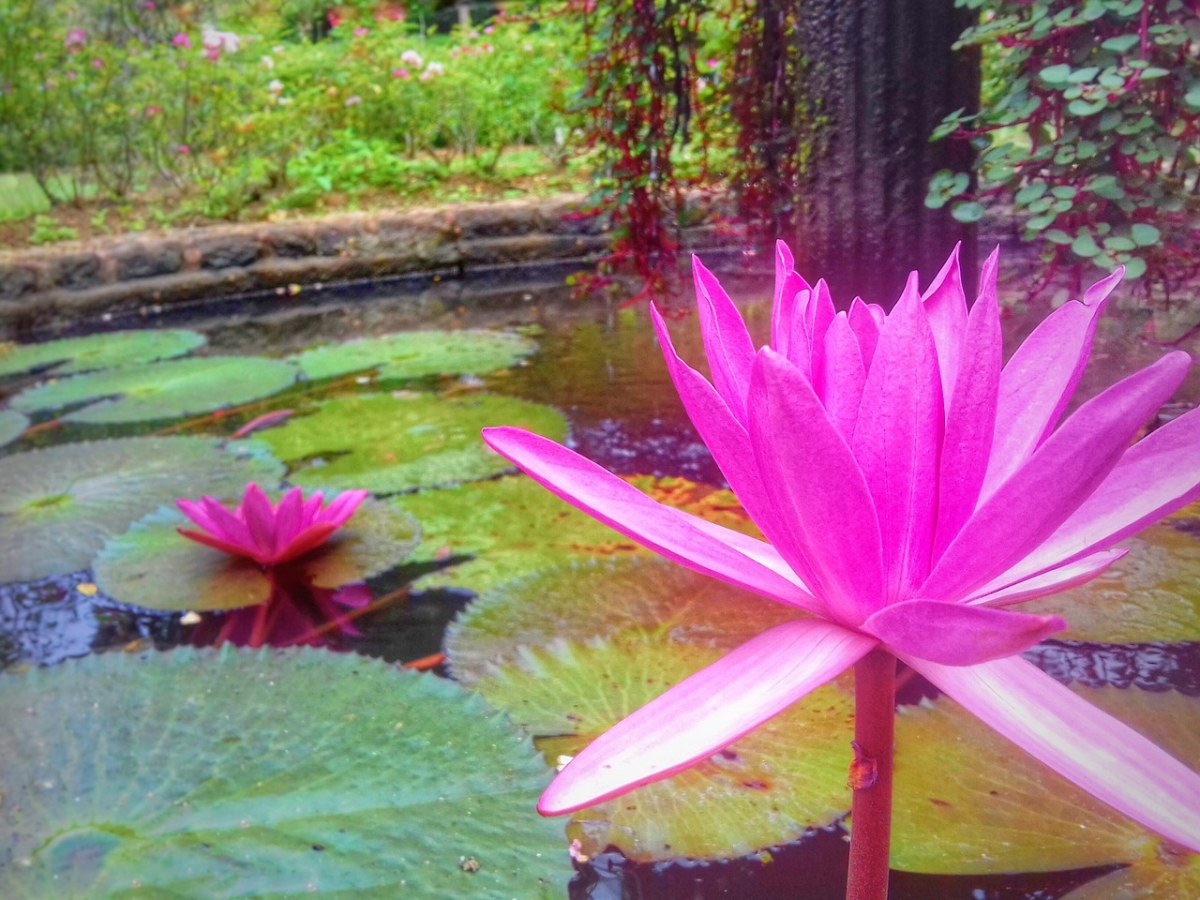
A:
43, 287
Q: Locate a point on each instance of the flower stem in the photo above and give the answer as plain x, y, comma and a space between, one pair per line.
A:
871, 776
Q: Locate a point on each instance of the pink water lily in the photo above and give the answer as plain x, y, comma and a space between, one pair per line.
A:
269, 533
912, 489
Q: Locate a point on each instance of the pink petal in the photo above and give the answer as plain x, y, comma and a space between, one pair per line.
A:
1099, 753
288, 516
229, 527
726, 342
1038, 381
818, 316
866, 328
343, 507
706, 712
844, 376
1053, 484
259, 515
1049, 582
309, 539
198, 513
217, 543
1158, 475
817, 486
686, 539
312, 508
897, 442
787, 285
946, 308
971, 417
956, 635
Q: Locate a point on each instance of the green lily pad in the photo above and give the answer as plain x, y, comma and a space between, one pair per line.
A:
164, 390
59, 505
1151, 594
786, 776
1169, 873
417, 354
98, 351
153, 565
389, 443
513, 527
967, 801
587, 599
12, 426
265, 774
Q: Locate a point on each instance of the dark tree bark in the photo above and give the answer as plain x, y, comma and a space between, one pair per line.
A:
879, 76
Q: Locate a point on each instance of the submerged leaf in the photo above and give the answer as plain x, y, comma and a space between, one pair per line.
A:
59, 505
416, 354
390, 443
161, 390
968, 802
265, 774
99, 351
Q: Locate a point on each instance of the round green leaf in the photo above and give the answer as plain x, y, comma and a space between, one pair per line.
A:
1135, 268
513, 527
786, 776
389, 443
968, 802
98, 351
60, 504
163, 390
1055, 75
12, 426
265, 774
968, 212
1122, 43
1144, 235
1118, 243
152, 565
1085, 245
1151, 594
416, 354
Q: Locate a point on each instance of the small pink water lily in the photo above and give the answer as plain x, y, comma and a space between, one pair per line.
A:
912, 489
268, 533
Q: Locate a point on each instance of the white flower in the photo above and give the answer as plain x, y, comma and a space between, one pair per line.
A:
411, 58
435, 68
275, 86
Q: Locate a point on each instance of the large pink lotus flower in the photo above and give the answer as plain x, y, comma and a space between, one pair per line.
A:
912, 490
268, 533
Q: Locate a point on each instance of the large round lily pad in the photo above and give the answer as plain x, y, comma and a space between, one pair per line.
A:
580, 601
967, 801
12, 426
416, 354
783, 778
98, 351
389, 443
164, 390
1151, 594
59, 505
153, 565
265, 774
514, 527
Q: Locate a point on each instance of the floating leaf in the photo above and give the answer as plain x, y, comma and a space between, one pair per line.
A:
968, 802
389, 443
98, 351
60, 504
786, 776
12, 426
163, 390
265, 774
1151, 594
579, 601
513, 527
1170, 872
416, 354
152, 565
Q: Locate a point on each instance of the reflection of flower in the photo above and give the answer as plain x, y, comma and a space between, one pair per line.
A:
912, 489
298, 615
266, 533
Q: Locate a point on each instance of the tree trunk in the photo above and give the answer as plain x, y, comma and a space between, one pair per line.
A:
879, 76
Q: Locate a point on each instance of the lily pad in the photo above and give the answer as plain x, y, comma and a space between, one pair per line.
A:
783, 778
417, 354
265, 774
152, 565
587, 599
1151, 594
164, 390
59, 505
12, 426
98, 351
513, 527
968, 802
389, 443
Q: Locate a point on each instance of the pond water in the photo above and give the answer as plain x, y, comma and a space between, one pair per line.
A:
599, 365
